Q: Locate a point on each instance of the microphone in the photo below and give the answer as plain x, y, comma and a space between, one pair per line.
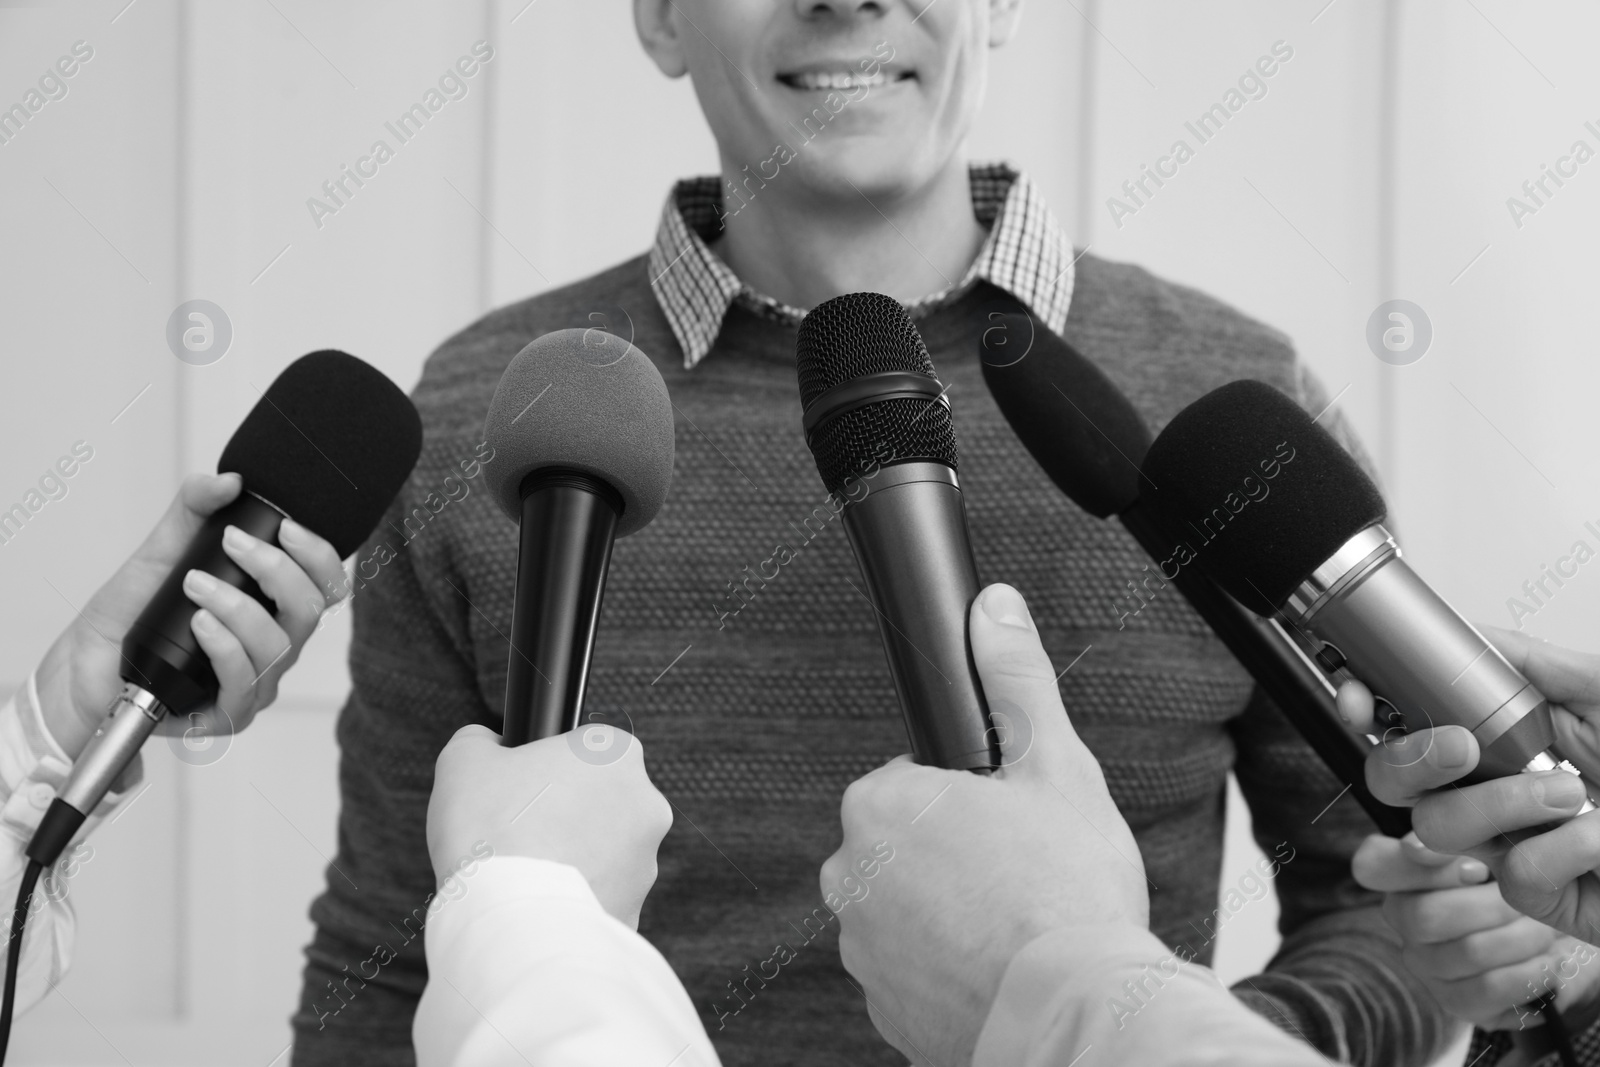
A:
1088, 437
330, 443
875, 416
1286, 521
592, 463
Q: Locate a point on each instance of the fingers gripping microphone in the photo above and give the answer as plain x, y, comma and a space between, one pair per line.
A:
329, 443
875, 416
1314, 551
1088, 437
591, 463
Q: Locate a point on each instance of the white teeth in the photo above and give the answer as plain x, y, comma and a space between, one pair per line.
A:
839, 80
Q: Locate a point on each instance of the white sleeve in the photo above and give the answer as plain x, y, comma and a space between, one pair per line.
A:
32, 767
1111, 995
524, 966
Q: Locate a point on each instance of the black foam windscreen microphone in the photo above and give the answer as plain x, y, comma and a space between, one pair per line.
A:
1078, 426
329, 443
877, 423
1089, 438
582, 430
1284, 519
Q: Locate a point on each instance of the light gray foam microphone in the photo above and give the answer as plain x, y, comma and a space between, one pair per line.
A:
582, 433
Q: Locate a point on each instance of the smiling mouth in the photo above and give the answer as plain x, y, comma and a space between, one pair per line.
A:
843, 80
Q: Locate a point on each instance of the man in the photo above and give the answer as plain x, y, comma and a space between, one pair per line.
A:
996, 950
760, 684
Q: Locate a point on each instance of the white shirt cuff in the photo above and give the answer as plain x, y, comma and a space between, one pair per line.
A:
1115, 994
33, 767
525, 966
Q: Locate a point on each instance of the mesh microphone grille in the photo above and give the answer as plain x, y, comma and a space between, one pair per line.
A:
860, 334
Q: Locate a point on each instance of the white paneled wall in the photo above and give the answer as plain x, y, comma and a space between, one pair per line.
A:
179, 164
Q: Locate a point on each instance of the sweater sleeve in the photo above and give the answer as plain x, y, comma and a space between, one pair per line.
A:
1116, 995
1530, 1044
1337, 980
524, 966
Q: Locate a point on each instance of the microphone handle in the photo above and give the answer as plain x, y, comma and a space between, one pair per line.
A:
569, 520
1279, 667
910, 539
1417, 653
160, 653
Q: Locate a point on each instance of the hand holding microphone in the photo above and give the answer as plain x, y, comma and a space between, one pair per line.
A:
1544, 871
331, 441
583, 434
542, 800
1480, 958
981, 864
1279, 515
1275, 511
188, 620
249, 648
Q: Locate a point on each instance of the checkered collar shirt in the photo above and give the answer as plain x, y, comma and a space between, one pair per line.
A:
1026, 254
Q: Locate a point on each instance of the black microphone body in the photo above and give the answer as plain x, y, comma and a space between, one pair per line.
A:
910, 538
875, 416
582, 430
569, 522
1087, 436
160, 652
333, 440
164, 671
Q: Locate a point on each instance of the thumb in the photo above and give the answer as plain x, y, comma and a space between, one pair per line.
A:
469, 745
1018, 681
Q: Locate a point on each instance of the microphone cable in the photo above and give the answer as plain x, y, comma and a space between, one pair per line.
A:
19, 918
61, 821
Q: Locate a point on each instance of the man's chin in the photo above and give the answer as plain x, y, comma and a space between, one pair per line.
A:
878, 170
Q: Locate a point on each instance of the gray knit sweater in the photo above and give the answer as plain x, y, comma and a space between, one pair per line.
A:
765, 716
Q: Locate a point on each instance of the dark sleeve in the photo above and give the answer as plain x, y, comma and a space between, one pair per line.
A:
1337, 979
412, 688
1581, 1022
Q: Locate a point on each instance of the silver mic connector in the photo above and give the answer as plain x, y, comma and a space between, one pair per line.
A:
130, 721
1552, 760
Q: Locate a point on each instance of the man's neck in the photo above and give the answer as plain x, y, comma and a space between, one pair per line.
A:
802, 250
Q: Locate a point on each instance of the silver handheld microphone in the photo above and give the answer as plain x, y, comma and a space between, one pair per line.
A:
1282, 517
1375, 619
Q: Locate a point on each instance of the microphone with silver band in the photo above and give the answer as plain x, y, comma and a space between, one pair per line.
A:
1088, 437
1312, 550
